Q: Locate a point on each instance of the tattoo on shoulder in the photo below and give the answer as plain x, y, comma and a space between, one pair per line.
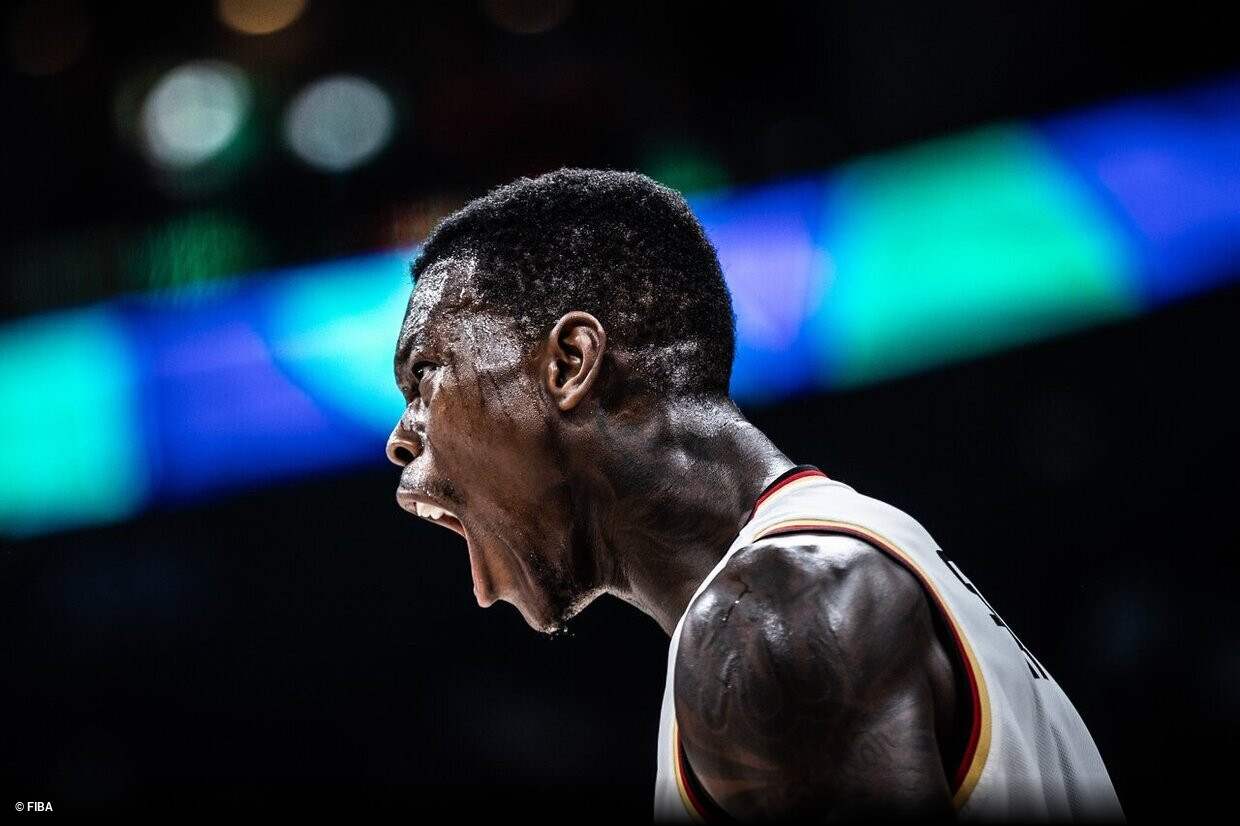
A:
800, 684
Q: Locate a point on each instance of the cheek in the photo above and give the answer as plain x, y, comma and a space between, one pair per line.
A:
492, 421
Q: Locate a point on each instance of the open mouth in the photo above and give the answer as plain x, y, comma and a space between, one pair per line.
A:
442, 516
439, 516
430, 512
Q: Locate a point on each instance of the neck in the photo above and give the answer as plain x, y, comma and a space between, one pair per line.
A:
651, 531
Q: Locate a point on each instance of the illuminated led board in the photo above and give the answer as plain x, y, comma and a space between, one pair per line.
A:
887, 265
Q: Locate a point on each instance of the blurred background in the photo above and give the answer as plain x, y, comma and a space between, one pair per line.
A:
984, 259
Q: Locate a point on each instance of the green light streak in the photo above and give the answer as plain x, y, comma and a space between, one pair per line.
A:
960, 247
71, 453
183, 255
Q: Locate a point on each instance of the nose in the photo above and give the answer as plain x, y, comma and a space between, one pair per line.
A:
404, 445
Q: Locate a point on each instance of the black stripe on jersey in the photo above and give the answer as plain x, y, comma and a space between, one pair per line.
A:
776, 482
711, 811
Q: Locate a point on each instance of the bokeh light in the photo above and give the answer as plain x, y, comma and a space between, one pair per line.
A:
194, 112
527, 16
683, 164
259, 16
46, 37
338, 123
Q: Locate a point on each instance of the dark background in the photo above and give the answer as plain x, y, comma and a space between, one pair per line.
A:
311, 648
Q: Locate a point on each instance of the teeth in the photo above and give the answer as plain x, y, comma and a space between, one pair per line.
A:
432, 512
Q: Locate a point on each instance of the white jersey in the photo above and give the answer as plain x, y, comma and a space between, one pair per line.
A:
1028, 755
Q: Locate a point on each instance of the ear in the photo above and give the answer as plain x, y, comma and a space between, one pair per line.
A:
575, 348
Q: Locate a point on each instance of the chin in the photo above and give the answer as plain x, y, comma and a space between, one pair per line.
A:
546, 623
552, 619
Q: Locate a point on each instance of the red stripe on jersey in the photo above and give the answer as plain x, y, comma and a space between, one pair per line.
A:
788, 476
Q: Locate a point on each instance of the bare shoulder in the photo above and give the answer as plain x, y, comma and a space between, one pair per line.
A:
784, 569
826, 591
809, 678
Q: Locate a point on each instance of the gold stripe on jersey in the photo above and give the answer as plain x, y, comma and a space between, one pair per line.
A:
682, 786
982, 702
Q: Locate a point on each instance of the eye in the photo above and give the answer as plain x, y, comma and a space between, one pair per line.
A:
419, 369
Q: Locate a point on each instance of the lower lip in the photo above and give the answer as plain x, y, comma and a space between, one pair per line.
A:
484, 597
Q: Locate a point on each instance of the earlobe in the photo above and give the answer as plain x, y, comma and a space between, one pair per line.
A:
575, 357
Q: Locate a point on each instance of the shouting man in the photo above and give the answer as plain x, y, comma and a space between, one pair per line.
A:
565, 362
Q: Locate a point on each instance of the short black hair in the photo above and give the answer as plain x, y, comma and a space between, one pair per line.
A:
616, 244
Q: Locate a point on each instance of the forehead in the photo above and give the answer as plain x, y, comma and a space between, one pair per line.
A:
443, 293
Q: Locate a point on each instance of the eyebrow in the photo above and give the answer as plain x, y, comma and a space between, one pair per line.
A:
406, 347
406, 351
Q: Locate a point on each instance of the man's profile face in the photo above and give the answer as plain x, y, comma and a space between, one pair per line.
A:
474, 441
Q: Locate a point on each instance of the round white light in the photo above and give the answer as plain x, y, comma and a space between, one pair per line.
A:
193, 112
338, 123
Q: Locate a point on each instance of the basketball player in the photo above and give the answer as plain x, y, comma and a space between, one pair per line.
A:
565, 361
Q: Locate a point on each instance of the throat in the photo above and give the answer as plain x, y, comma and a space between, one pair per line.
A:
657, 527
